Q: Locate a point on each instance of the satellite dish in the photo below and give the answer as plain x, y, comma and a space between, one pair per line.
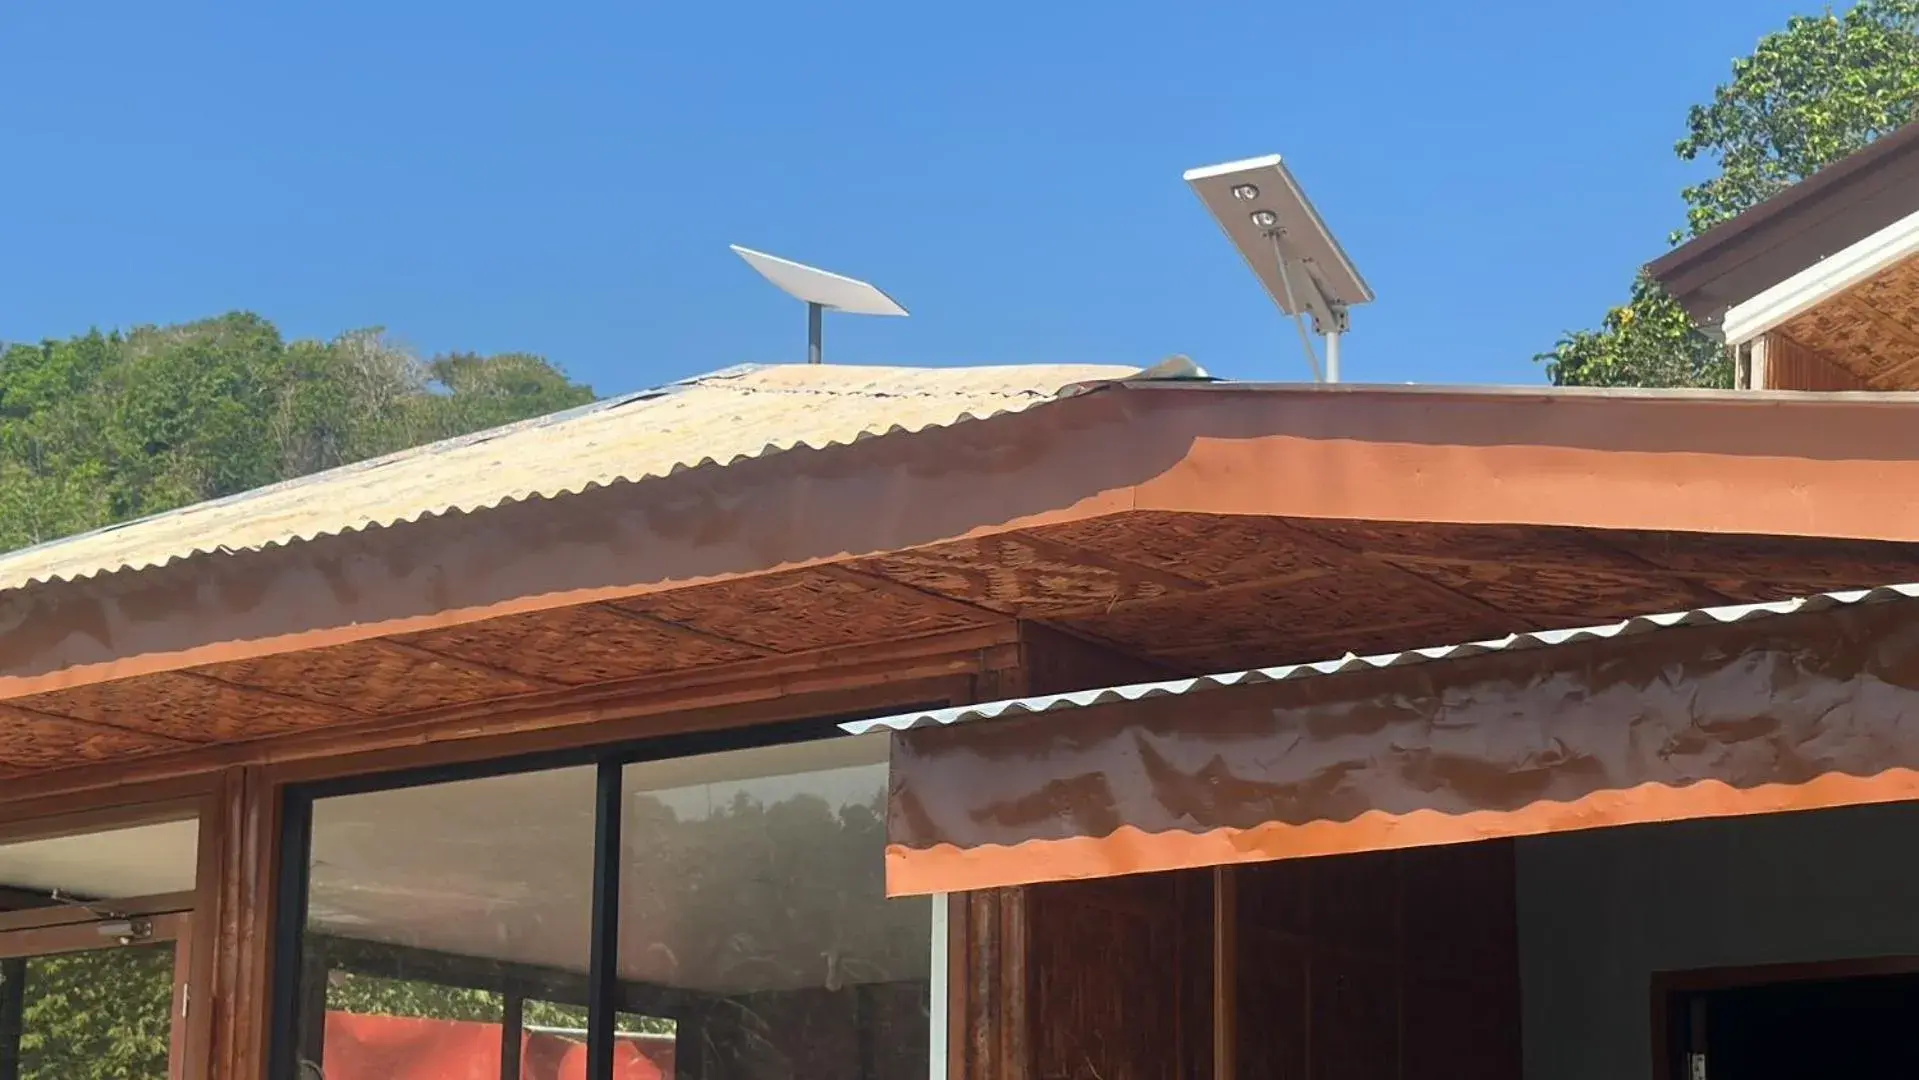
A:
821, 291
1272, 223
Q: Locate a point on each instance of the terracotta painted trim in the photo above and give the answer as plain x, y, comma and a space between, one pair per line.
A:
1752, 464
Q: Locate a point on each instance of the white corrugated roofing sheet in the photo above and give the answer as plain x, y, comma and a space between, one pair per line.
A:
711, 421
1109, 695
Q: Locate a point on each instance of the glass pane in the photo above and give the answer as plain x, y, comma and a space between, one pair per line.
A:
105, 1015
753, 913
145, 860
429, 908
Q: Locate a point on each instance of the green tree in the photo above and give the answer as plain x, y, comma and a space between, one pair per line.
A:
101, 428
1810, 94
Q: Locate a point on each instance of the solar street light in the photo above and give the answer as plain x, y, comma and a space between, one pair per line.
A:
821, 290
1269, 219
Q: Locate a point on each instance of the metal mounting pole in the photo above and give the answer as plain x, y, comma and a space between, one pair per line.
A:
1332, 356
814, 317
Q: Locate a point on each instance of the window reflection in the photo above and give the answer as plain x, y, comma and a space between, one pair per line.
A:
448, 929
753, 907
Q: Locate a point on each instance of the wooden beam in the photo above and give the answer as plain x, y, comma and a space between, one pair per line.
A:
1893, 327
460, 663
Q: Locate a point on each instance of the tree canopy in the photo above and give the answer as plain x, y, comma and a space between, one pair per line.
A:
1810, 94
103, 427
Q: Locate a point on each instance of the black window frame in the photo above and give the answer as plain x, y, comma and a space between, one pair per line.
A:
609, 759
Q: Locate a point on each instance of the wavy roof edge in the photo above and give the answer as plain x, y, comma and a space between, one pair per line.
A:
1174, 369
1540, 639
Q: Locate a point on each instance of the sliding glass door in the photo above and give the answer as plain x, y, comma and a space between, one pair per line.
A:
685, 910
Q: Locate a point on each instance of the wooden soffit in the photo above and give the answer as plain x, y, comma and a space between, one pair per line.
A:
1791, 712
1750, 464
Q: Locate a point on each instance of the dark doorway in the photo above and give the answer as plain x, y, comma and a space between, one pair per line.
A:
1859, 1026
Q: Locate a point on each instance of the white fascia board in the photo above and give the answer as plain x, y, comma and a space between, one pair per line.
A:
1823, 280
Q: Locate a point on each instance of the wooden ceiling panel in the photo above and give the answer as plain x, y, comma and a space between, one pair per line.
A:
1543, 596
34, 743
188, 706
1213, 549
1412, 543
1288, 623
814, 608
1774, 566
1871, 329
578, 646
1032, 576
369, 677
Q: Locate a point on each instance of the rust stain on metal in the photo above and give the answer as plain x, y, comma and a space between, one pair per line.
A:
1796, 712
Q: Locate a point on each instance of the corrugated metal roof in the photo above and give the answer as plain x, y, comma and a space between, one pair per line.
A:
1110, 695
711, 421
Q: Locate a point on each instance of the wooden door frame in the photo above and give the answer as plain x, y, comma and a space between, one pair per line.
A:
1668, 984
185, 1055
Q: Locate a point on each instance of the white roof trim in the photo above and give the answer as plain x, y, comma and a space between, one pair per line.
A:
1644, 624
1823, 280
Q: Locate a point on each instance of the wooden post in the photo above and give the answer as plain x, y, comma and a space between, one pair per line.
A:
1225, 973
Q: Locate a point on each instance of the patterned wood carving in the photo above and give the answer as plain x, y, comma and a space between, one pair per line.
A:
805, 609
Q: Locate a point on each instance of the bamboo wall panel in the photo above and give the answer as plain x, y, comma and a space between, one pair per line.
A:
578, 646
1792, 366
367, 678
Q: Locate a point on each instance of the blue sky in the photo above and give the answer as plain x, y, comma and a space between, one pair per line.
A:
565, 177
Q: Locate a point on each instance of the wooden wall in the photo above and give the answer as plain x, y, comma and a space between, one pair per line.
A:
1397, 966
1780, 363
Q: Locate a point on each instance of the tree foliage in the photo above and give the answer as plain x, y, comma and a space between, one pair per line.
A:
104, 427
1810, 94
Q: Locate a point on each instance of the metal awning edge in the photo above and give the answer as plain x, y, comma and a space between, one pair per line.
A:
1643, 624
